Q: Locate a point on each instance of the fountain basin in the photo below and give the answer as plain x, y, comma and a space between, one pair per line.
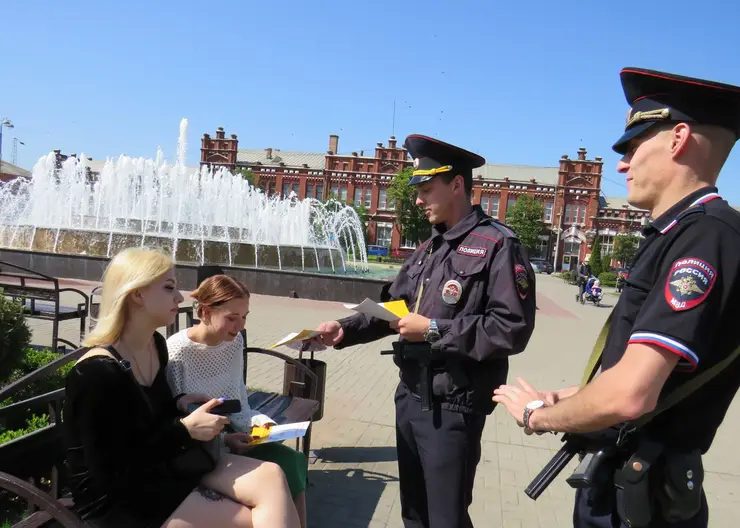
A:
105, 244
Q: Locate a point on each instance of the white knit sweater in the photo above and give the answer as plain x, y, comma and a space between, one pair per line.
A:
215, 371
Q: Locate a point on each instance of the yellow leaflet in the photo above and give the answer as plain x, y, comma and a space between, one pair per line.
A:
397, 308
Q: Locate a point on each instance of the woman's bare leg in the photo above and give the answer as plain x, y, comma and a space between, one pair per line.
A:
257, 484
300, 506
197, 511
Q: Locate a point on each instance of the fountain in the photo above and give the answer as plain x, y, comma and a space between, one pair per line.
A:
201, 216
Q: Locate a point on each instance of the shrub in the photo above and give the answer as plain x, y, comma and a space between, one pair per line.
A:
34, 359
608, 278
32, 424
15, 336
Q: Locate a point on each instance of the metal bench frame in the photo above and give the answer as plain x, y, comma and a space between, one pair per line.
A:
36, 297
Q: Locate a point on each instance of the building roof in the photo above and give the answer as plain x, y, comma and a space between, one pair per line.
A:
519, 173
616, 202
291, 158
13, 170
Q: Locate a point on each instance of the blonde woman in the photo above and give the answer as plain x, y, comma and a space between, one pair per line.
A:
126, 430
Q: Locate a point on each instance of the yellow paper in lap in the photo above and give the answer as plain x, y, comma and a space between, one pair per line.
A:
259, 432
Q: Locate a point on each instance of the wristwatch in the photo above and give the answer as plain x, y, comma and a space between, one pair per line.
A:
528, 410
432, 334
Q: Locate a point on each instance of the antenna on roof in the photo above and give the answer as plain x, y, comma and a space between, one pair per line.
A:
393, 126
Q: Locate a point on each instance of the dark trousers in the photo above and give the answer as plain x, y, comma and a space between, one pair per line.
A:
602, 513
438, 452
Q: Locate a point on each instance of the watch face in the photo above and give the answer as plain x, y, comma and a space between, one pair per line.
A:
535, 404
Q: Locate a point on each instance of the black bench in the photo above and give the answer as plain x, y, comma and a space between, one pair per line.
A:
25, 461
41, 298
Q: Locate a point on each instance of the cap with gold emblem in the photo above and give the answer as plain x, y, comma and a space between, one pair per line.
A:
659, 97
433, 157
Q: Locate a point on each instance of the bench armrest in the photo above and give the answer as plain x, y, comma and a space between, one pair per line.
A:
35, 496
297, 364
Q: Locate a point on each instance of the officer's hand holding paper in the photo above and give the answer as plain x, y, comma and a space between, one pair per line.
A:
305, 341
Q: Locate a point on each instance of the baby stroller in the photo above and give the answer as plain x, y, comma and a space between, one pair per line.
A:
593, 291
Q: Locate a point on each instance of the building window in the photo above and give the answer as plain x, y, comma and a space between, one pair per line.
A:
383, 234
358, 195
541, 251
309, 190
548, 212
485, 203
607, 245
510, 203
335, 191
494, 206
575, 213
343, 193
382, 198
368, 197
286, 190
320, 192
408, 243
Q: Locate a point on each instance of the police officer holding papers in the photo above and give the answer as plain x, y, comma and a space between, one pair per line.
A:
668, 351
471, 291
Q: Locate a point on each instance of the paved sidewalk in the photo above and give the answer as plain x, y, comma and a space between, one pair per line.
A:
354, 482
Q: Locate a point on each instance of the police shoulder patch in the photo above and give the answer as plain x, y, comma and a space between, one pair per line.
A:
689, 283
522, 281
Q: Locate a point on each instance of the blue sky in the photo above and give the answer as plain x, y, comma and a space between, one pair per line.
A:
518, 82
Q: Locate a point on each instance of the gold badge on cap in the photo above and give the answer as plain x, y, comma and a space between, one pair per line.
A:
451, 292
416, 163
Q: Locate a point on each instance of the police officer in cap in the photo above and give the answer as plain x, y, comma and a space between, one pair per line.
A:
668, 364
471, 292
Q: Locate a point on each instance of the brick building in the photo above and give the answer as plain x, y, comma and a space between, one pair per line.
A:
8, 172
575, 210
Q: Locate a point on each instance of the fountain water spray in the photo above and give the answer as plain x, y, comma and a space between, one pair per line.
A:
203, 215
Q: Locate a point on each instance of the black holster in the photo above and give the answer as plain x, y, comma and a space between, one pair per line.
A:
633, 483
679, 485
657, 482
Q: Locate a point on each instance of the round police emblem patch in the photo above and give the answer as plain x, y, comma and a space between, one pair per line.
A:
689, 283
451, 292
522, 281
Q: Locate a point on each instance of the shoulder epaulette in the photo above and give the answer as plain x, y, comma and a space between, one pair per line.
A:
499, 226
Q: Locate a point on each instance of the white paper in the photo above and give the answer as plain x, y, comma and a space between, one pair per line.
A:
373, 309
296, 341
280, 433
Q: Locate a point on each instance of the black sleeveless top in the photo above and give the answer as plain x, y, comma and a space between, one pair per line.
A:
119, 445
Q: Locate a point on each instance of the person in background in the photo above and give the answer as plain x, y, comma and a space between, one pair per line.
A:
125, 431
208, 358
584, 272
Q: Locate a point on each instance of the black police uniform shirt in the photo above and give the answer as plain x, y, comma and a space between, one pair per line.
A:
682, 296
479, 286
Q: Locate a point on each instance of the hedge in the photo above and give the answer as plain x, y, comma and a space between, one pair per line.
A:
608, 278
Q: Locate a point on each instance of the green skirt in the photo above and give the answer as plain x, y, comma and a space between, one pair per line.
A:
292, 462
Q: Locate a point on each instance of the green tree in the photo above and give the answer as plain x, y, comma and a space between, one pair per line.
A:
411, 217
625, 248
597, 266
525, 218
248, 175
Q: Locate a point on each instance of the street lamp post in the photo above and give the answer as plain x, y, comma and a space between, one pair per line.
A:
3, 123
